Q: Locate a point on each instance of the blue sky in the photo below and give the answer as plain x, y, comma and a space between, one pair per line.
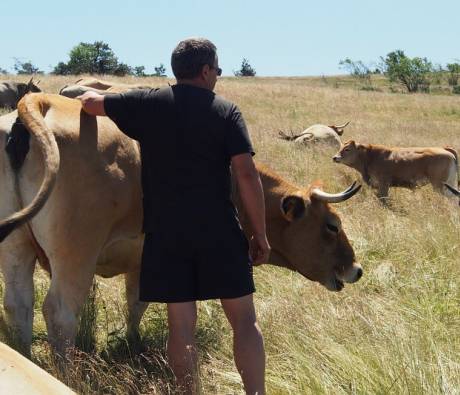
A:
279, 38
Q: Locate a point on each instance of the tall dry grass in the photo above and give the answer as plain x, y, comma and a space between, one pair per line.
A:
394, 332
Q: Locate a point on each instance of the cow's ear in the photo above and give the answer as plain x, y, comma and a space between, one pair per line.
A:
292, 207
336, 129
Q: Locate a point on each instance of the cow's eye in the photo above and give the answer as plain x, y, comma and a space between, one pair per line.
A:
332, 228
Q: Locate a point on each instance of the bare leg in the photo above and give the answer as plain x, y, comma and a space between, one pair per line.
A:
182, 354
248, 345
135, 308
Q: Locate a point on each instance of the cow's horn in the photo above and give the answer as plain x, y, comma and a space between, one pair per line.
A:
335, 197
452, 189
342, 126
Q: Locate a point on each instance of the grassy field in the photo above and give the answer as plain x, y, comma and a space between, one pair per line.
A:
397, 331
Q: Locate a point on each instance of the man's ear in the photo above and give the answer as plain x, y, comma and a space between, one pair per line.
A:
205, 70
292, 207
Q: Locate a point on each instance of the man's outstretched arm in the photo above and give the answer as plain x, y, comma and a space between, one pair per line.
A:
252, 197
92, 103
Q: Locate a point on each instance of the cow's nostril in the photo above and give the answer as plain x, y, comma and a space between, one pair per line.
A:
359, 274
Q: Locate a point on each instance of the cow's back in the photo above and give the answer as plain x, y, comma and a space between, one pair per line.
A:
410, 166
98, 188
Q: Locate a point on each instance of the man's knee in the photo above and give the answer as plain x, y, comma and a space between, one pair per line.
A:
240, 312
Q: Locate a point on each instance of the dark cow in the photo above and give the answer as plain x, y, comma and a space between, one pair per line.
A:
11, 92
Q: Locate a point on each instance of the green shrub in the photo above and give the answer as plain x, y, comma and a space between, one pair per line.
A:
411, 72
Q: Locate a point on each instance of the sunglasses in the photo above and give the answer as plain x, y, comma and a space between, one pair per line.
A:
218, 70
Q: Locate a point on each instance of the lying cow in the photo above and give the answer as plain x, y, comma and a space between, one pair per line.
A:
80, 181
73, 91
383, 167
11, 92
322, 134
108, 85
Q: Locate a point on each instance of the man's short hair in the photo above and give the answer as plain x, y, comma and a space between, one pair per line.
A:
190, 55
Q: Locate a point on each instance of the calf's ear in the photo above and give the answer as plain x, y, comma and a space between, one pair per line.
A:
292, 207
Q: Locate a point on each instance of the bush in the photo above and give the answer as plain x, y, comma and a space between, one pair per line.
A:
356, 68
95, 58
26, 67
139, 71
454, 73
246, 70
456, 90
122, 69
62, 69
160, 71
411, 72
92, 58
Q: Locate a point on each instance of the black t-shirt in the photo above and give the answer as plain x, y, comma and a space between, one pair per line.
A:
187, 137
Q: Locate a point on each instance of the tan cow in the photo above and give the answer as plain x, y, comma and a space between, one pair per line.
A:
318, 134
80, 182
384, 167
11, 92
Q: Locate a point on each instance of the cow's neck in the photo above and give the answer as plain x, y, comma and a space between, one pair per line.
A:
274, 190
277, 259
362, 165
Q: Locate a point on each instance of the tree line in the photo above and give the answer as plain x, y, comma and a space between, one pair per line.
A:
415, 74
99, 58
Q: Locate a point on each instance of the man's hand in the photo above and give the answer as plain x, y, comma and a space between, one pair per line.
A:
259, 249
92, 103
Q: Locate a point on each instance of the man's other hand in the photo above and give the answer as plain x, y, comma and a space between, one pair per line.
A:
259, 249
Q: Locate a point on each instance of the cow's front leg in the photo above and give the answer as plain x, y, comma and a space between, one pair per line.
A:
70, 285
135, 308
17, 260
382, 191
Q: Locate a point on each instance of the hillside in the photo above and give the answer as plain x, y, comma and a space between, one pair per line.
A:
396, 331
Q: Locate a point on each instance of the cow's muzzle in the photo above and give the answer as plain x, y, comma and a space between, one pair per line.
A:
352, 275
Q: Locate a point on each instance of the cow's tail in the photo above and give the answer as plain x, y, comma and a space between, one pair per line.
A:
31, 111
454, 152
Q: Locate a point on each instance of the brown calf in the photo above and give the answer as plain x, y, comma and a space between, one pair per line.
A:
383, 167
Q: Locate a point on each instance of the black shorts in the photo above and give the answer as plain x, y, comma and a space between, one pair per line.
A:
182, 267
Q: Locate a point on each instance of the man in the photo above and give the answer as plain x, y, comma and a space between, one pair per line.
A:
194, 247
